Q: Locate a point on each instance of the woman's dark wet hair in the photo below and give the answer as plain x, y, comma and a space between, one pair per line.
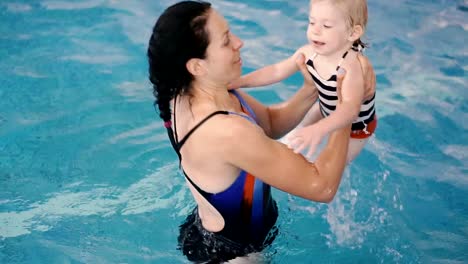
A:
178, 36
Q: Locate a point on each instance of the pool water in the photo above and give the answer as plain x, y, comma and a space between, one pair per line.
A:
87, 174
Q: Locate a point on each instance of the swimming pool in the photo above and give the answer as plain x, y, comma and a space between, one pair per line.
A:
87, 174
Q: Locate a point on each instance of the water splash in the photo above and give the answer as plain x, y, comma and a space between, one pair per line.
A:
345, 229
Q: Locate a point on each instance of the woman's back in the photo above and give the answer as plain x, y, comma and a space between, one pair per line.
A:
202, 152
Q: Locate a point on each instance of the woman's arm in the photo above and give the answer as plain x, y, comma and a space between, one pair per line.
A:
245, 146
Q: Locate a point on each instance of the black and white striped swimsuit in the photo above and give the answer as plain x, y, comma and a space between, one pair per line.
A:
328, 97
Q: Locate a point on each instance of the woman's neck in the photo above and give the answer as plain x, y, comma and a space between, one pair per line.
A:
215, 94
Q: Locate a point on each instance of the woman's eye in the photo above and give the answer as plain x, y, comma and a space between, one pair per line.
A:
227, 41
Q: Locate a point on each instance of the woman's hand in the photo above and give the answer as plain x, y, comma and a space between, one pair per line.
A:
301, 64
368, 75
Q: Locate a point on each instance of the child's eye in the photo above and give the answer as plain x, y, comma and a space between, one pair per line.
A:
327, 26
312, 22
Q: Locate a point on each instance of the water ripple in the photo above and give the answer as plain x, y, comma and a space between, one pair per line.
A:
146, 195
66, 5
135, 91
17, 7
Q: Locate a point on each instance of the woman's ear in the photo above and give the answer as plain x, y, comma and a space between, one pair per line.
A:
195, 67
356, 33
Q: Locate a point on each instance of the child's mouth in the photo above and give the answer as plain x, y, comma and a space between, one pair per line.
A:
318, 43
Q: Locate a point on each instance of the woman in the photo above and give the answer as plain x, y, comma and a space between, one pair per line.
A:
225, 139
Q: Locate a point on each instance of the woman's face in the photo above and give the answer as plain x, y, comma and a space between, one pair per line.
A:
223, 61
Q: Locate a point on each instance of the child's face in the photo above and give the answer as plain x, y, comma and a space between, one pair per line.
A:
327, 32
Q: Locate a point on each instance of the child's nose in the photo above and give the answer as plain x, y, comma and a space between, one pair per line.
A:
316, 29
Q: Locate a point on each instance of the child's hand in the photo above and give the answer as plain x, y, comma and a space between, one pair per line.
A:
306, 137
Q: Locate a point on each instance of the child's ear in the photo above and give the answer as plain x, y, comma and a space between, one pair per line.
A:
356, 33
195, 66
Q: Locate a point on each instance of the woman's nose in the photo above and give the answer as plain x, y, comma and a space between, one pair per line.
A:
237, 42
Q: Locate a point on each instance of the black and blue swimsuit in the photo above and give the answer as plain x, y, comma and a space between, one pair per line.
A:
247, 207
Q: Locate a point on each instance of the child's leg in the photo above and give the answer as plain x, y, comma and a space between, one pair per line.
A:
355, 147
313, 116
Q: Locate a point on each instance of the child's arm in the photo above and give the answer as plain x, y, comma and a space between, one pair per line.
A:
352, 98
269, 74
352, 94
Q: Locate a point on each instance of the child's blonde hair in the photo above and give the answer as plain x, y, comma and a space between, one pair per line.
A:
355, 12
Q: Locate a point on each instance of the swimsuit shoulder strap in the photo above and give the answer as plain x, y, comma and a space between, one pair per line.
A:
184, 139
356, 47
244, 105
247, 109
310, 60
179, 144
342, 59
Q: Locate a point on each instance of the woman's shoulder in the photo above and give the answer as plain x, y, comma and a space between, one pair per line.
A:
225, 126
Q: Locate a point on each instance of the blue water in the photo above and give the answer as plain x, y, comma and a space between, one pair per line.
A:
87, 174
